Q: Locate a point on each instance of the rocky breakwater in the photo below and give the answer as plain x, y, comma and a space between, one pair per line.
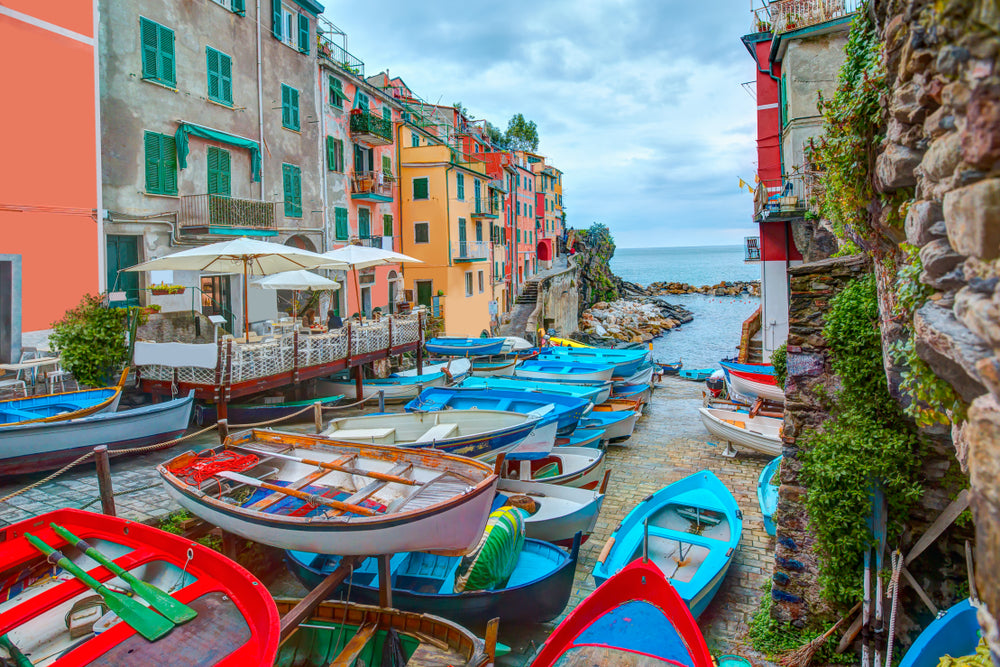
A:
631, 321
724, 288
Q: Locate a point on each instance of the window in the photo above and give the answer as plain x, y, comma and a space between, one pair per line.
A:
235, 6
364, 160
290, 27
519, 235
161, 164
158, 63
289, 107
415, 139
334, 154
519, 208
340, 224
364, 223
420, 188
220, 76
460, 186
387, 165
219, 175
337, 96
361, 100
481, 287
479, 231
291, 177
387, 114
386, 225
421, 232
468, 283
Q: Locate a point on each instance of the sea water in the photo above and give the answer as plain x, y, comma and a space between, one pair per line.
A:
714, 333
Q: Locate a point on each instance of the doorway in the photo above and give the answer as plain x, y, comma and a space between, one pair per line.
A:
6, 312
424, 292
366, 301
392, 278
123, 252
216, 298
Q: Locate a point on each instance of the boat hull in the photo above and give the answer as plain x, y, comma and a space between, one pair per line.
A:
747, 386
493, 368
626, 362
537, 601
251, 413
759, 442
641, 376
582, 467
405, 389
457, 368
566, 411
767, 495
955, 634
583, 437
563, 511
591, 376
616, 425
465, 347
577, 391
44, 446
58, 407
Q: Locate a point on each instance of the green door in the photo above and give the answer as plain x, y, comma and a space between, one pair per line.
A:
462, 249
123, 252
424, 293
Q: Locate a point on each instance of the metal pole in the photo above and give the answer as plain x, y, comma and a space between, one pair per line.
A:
381, 400
359, 389
420, 344
104, 480
318, 415
246, 306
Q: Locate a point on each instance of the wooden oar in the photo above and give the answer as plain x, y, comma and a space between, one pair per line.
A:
142, 619
14, 652
381, 476
311, 498
178, 612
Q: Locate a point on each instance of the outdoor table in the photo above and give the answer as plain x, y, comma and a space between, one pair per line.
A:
31, 365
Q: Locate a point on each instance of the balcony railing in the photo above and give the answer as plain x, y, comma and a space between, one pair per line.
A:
383, 242
486, 209
372, 186
785, 15
470, 251
340, 56
371, 129
781, 198
215, 214
752, 246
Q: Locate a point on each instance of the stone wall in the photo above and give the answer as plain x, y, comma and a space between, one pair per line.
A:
943, 141
177, 328
558, 302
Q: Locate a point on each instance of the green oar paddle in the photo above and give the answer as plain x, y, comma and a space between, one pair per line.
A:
178, 612
144, 620
14, 652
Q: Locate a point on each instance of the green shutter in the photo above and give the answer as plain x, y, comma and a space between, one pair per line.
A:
219, 172
386, 225
303, 33
460, 185
387, 165
359, 160
285, 105
166, 40
292, 185
340, 229
289, 107
331, 157
336, 93
276, 19
364, 223
239, 7
151, 140
415, 139
295, 108
161, 163
387, 113
148, 32
168, 164
214, 77
157, 52
340, 155
420, 188
226, 79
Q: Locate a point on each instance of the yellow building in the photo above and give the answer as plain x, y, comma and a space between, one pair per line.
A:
447, 225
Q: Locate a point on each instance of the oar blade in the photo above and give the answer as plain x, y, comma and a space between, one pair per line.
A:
176, 611
142, 619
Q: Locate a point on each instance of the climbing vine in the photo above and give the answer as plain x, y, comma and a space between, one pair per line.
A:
779, 359
866, 441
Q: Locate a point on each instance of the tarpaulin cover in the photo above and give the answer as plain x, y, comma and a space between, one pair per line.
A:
185, 129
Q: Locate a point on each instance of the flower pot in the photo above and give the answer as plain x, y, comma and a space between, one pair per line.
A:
165, 292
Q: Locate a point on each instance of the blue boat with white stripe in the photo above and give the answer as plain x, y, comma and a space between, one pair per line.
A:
767, 494
566, 412
514, 384
626, 362
450, 346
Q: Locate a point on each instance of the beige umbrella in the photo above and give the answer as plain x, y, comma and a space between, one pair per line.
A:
361, 257
296, 281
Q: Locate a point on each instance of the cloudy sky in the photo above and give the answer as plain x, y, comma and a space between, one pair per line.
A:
638, 101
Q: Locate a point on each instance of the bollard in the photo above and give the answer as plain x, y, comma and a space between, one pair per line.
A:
223, 425
318, 415
381, 400
385, 581
104, 480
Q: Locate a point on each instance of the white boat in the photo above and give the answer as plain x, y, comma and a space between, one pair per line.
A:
516, 344
465, 432
616, 424
642, 376
487, 368
395, 388
579, 467
563, 370
761, 434
457, 367
751, 388
308, 494
561, 511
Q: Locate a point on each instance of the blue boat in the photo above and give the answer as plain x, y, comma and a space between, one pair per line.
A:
566, 412
60, 407
615, 423
515, 384
694, 528
767, 494
536, 592
558, 368
583, 437
637, 392
955, 634
626, 362
760, 369
696, 374
449, 346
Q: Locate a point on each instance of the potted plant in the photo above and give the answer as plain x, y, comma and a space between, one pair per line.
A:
151, 309
164, 289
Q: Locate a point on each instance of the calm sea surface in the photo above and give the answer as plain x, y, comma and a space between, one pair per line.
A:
715, 331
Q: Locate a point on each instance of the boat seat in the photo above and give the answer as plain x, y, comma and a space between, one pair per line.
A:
735, 422
438, 432
381, 436
354, 647
695, 514
547, 470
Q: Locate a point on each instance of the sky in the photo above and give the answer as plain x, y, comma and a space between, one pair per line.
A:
638, 102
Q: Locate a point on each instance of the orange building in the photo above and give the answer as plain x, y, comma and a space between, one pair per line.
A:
49, 186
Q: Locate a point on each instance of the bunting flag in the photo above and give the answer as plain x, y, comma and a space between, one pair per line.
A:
744, 184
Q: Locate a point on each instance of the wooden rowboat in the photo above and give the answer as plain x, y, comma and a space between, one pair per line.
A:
558, 368
252, 413
501, 368
642, 376
28, 448
691, 530
626, 362
619, 405
761, 434
580, 467
669, 368
393, 389
339, 633
236, 623
334, 497
956, 633
616, 425
457, 369
464, 432
635, 619
560, 511
61, 406
767, 495
755, 386
641, 393
696, 374
537, 591
517, 384
449, 346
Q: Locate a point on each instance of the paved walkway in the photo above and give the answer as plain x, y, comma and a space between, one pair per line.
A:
522, 311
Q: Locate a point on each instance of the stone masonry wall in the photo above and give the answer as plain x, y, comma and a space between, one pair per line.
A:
943, 141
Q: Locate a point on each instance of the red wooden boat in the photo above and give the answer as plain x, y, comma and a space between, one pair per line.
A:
236, 623
634, 619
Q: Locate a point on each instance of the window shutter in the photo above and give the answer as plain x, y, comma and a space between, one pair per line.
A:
386, 225
285, 105
460, 185
359, 160
213, 170
364, 223
225, 174
331, 160
420, 188
151, 140
214, 82
340, 229
148, 34
303, 33
336, 93
297, 175
239, 7
387, 113
226, 78
286, 188
387, 165
276, 19
293, 97
168, 152
166, 44
416, 139
340, 155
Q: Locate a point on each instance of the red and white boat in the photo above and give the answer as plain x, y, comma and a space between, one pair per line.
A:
754, 385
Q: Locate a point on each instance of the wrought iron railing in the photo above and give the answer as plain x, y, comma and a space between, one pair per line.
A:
218, 210
363, 122
341, 57
466, 250
372, 183
785, 196
751, 245
785, 15
486, 207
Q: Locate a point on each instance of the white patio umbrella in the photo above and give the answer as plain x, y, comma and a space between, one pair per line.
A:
247, 256
362, 257
296, 281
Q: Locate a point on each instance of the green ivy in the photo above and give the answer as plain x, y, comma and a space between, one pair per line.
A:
779, 359
866, 440
91, 341
772, 637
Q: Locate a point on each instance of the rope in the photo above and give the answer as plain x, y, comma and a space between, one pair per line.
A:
897, 568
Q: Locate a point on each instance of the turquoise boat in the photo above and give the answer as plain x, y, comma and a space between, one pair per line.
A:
449, 346
767, 494
955, 634
563, 369
626, 362
583, 437
515, 384
566, 410
696, 374
615, 423
692, 529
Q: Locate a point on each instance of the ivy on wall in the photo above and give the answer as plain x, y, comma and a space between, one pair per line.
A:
91, 341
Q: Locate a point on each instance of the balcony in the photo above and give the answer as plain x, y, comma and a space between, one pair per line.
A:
786, 15
227, 216
370, 129
780, 199
470, 251
372, 186
486, 209
751, 245
383, 242
334, 52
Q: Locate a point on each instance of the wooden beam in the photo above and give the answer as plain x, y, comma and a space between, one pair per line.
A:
384, 581
308, 604
940, 524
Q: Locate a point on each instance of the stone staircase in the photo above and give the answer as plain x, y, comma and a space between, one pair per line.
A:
529, 294
755, 353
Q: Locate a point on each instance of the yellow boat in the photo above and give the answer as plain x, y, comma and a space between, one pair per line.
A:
566, 342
